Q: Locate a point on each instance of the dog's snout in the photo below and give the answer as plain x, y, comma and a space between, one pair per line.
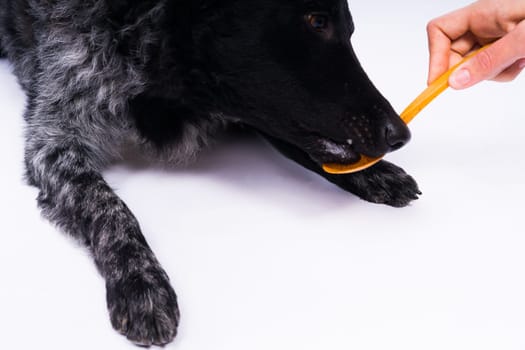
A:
397, 135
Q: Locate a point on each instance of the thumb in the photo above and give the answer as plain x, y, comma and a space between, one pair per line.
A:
511, 72
489, 63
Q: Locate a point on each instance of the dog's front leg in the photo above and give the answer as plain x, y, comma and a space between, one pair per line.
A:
383, 183
73, 195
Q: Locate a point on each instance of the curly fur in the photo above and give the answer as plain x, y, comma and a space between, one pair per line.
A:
168, 74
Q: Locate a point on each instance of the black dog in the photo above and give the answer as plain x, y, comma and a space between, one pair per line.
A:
166, 74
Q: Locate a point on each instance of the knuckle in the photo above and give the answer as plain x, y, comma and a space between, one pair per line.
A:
484, 61
432, 26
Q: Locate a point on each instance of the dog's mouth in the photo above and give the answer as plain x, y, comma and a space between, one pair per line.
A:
324, 150
341, 147
348, 145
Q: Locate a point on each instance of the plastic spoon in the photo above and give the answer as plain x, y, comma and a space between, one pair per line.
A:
430, 93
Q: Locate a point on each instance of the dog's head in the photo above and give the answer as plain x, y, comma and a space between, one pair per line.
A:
288, 69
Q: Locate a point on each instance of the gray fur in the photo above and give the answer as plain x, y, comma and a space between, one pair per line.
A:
78, 90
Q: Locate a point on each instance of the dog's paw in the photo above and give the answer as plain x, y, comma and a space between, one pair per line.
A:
384, 183
143, 307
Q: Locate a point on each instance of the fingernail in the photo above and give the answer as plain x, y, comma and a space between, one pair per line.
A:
460, 78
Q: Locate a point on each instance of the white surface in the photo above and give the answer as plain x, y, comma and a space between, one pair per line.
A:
264, 255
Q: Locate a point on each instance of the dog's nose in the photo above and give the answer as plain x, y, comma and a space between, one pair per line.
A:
397, 135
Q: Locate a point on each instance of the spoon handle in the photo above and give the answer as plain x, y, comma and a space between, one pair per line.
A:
420, 102
433, 90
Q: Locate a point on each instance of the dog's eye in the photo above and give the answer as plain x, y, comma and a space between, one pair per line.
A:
318, 21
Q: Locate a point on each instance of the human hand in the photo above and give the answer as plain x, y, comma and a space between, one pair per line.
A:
452, 36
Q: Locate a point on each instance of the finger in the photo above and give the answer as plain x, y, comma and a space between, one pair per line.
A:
490, 62
461, 47
439, 49
441, 32
464, 44
454, 59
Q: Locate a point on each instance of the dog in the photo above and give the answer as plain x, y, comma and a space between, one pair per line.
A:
167, 75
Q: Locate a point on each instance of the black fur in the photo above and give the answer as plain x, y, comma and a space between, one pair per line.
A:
167, 74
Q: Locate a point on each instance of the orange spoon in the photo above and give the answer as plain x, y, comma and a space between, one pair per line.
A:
430, 93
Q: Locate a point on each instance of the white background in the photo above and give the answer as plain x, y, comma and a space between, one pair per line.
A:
265, 255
